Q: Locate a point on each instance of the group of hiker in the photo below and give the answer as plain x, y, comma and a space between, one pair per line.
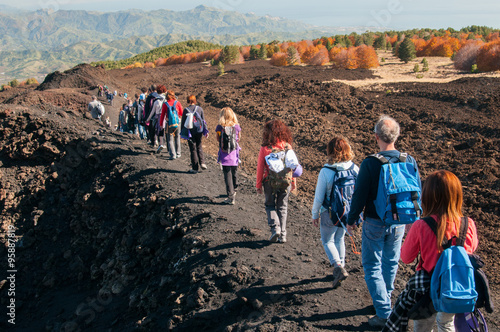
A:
384, 196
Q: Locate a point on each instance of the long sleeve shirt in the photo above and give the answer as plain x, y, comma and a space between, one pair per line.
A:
262, 168
421, 239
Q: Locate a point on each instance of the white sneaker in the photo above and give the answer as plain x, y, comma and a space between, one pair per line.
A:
203, 166
159, 149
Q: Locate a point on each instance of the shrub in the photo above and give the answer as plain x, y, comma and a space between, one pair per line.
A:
320, 58
416, 68
14, 83
488, 57
279, 59
220, 67
31, 81
473, 68
467, 55
382, 60
406, 50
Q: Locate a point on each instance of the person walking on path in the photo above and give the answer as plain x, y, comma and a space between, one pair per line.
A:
154, 118
148, 106
95, 108
381, 243
195, 113
335, 173
229, 154
442, 199
139, 116
174, 137
276, 135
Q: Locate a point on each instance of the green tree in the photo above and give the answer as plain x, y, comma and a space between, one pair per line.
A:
263, 51
292, 56
14, 83
254, 53
380, 43
406, 50
229, 54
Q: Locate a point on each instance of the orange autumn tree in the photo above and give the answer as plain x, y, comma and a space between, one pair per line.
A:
320, 58
366, 57
488, 57
334, 51
308, 54
279, 59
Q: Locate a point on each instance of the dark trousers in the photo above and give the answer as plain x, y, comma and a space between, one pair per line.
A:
230, 179
196, 150
151, 132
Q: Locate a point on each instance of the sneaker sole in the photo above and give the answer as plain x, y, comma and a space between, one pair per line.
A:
274, 238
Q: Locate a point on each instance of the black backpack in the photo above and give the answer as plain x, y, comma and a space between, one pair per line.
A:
228, 141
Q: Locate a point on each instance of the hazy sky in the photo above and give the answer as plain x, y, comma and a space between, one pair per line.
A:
393, 14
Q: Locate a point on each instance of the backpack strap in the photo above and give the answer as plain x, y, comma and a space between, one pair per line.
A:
464, 226
380, 158
403, 156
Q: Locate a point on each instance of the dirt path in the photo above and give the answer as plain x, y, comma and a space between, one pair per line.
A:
116, 238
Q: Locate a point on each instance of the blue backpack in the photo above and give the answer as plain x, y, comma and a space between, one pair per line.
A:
173, 116
453, 289
339, 201
399, 193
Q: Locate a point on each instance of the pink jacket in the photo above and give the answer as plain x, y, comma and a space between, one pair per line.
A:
421, 239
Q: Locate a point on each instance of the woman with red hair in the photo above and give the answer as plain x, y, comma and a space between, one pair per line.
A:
276, 135
442, 200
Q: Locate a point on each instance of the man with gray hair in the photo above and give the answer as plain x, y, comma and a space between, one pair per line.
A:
381, 242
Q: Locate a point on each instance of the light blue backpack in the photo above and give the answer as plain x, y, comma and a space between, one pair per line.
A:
453, 287
399, 194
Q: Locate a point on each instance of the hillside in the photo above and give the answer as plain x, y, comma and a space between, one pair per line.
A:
113, 237
37, 43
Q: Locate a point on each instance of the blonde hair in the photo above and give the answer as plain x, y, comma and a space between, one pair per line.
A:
227, 117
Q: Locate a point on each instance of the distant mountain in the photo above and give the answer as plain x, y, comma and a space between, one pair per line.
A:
45, 30
33, 44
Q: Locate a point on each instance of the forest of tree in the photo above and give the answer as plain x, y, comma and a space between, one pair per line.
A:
472, 48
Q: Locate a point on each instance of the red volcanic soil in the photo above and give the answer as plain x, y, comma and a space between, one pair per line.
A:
112, 237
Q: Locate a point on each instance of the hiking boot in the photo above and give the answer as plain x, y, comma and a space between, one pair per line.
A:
230, 199
161, 147
192, 171
203, 166
376, 321
274, 237
339, 274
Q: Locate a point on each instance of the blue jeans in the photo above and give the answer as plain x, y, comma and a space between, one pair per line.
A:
142, 131
332, 238
381, 247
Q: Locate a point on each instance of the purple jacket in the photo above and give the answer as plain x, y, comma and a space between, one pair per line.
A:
229, 159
